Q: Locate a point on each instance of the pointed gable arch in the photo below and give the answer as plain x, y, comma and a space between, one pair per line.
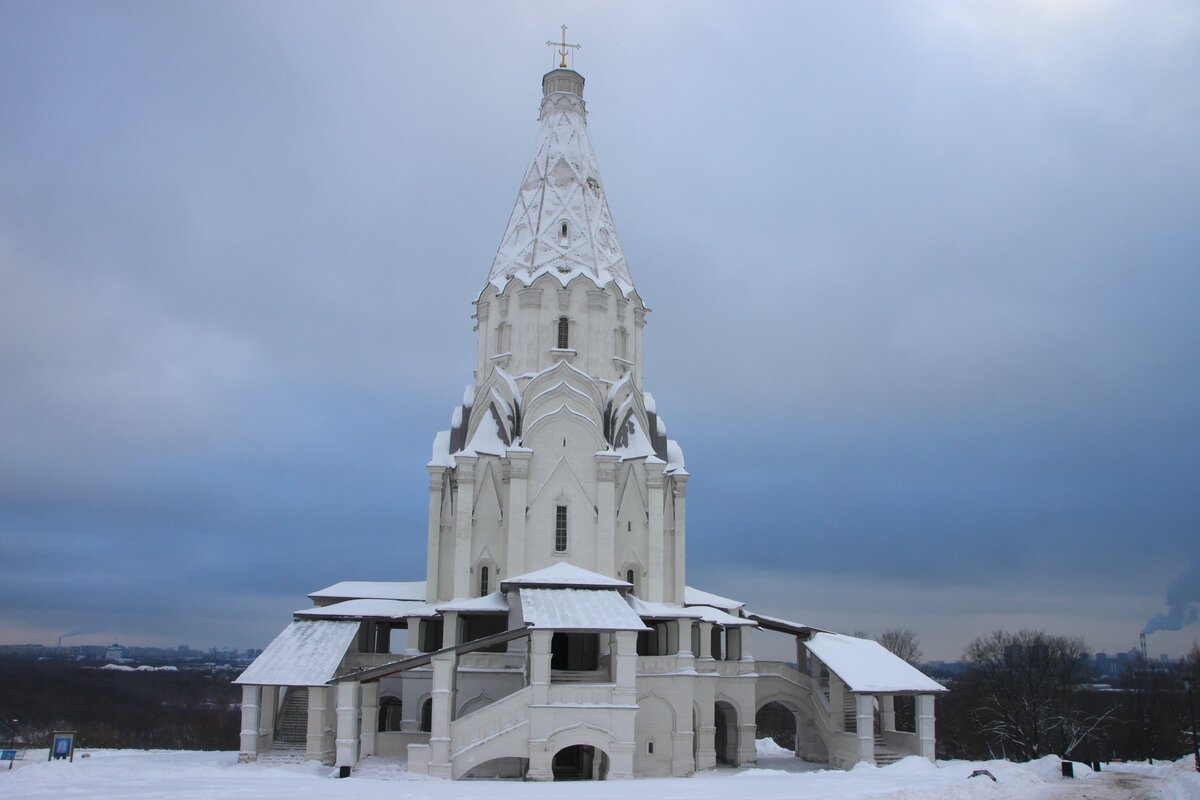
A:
563, 466
564, 394
564, 414
489, 502
565, 371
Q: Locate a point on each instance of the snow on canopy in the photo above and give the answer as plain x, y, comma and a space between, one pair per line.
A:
375, 590
695, 597
494, 602
869, 667
566, 575
560, 223
578, 609
306, 653
649, 610
390, 609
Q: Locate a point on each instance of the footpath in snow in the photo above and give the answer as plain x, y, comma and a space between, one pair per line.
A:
189, 775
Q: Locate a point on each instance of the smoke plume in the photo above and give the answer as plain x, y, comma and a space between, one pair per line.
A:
1183, 602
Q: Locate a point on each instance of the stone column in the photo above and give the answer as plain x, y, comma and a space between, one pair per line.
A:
412, 639
437, 483
654, 483
686, 658
266, 718
462, 524
606, 504
746, 665
676, 593
539, 666
518, 487
864, 721
925, 723
442, 696
837, 711
887, 712
625, 665
449, 629
747, 752
317, 743
346, 743
704, 659
370, 719
706, 727
251, 696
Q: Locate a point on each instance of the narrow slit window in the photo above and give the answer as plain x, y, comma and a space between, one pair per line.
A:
564, 333
564, 237
560, 529
629, 579
483, 580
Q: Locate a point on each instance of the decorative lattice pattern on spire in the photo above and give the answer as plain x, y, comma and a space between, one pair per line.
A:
560, 224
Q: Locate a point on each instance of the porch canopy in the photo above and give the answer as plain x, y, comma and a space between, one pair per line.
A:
306, 653
578, 610
867, 667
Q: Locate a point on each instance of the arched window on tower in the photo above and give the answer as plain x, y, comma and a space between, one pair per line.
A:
564, 234
483, 580
560, 529
630, 581
564, 333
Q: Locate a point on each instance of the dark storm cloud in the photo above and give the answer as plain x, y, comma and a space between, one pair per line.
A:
938, 262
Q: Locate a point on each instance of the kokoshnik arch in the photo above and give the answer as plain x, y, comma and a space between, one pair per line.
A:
554, 634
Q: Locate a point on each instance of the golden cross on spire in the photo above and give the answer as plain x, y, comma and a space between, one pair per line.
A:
562, 48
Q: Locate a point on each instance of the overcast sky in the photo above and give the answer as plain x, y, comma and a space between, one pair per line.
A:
924, 280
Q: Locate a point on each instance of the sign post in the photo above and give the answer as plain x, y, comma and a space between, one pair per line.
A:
62, 746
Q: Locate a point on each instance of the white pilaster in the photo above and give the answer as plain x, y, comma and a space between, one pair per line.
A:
251, 696
654, 485
346, 743
680, 555
925, 726
465, 469
606, 475
864, 719
370, 718
437, 482
518, 488
887, 712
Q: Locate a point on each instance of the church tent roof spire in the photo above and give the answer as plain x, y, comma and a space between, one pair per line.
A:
560, 224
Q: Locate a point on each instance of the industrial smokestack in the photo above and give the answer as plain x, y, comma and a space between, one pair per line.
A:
1145, 657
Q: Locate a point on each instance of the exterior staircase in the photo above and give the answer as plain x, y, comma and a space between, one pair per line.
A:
291, 728
498, 730
884, 755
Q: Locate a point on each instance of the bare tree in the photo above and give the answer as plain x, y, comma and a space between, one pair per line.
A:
903, 643
1026, 690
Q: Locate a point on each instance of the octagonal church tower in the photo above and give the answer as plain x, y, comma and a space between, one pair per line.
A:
556, 453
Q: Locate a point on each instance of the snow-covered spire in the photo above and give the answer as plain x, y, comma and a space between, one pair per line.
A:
560, 223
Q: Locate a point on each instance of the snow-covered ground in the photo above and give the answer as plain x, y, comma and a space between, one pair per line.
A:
184, 775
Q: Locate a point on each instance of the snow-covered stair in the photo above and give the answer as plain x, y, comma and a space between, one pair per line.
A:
292, 727
379, 768
498, 730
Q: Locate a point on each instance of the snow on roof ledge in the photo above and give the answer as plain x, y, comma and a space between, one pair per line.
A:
868, 667
695, 597
361, 608
565, 575
372, 590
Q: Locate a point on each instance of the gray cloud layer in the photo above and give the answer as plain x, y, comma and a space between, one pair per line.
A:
936, 264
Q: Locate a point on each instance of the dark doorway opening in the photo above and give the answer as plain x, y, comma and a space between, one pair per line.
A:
580, 762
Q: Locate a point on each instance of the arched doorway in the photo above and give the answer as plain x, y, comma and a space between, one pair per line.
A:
778, 722
725, 740
580, 762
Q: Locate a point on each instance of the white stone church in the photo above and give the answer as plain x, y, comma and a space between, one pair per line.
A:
554, 635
